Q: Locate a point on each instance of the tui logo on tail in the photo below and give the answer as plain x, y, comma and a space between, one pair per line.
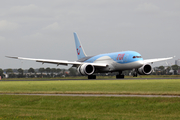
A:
79, 47
78, 52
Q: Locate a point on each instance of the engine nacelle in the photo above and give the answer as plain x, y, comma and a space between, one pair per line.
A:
86, 69
145, 70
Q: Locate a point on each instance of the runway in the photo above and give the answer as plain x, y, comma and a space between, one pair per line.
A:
98, 95
86, 79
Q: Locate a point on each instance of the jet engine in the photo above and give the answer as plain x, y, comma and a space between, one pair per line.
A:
145, 70
86, 69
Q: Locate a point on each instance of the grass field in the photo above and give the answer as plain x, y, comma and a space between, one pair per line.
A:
21, 107
17, 107
163, 87
98, 77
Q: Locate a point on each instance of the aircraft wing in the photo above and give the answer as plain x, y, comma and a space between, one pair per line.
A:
156, 60
58, 62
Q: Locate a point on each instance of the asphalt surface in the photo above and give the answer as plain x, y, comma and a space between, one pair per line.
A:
97, 95
86, 79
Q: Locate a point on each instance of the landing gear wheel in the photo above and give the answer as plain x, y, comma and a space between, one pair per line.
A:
135, 75
119, 76
91, 76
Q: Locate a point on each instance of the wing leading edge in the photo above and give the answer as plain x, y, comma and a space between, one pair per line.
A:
156, 60
58, 62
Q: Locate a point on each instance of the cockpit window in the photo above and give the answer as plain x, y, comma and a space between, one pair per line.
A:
137, 57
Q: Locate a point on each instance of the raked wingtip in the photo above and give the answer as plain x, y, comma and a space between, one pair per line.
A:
11, 57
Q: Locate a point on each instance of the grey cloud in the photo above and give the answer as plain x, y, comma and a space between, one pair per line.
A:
2, 38
52, 27
147, 8
8, 26
43, 28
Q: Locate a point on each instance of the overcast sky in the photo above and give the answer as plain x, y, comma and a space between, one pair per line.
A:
44, 29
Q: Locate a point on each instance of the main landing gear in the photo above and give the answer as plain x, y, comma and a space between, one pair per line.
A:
120, 76
135, 73
91, 76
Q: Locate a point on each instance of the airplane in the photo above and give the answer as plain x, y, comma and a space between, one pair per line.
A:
104, 63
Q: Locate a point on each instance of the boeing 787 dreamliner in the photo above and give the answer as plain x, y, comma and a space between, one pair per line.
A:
103, 63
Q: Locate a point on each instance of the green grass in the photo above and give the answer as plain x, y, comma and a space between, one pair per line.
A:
169, 86
17, 107
98, 77
21, 107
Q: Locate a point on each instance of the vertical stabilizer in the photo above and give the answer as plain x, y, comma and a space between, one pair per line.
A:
79, 48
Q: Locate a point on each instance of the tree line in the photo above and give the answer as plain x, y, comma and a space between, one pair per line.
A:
41, 72
168, 70
57, 72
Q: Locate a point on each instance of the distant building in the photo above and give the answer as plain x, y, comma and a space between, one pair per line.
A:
177, 62
178, 71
